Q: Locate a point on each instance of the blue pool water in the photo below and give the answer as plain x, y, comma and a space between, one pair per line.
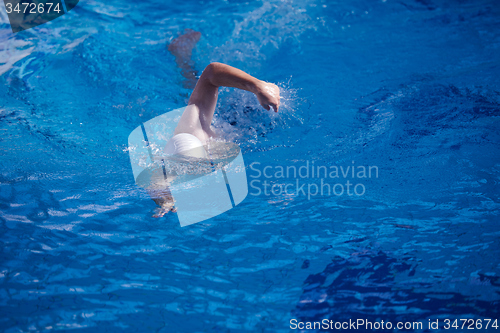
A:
411, 87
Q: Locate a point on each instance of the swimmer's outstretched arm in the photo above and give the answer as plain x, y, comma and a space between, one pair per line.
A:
218, 75
204, 100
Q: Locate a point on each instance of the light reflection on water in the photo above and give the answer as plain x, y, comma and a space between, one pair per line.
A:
81, 251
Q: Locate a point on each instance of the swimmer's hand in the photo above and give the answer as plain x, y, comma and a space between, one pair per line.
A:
161, 211
164, 200
268, 95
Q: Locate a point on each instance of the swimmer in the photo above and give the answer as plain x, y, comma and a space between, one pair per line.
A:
194, 128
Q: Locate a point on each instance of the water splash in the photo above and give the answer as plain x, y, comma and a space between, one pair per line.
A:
241, 119
263, 31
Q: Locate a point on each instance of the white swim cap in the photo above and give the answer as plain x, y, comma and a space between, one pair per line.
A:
185, 144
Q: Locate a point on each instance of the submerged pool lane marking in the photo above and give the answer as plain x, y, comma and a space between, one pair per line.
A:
228, 187
151, 152
147, 142
225, 178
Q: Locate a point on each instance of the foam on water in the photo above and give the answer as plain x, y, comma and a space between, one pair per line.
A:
261, 32
240, 118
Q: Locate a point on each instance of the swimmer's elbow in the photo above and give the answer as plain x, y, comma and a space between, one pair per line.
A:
211, 71
215, 67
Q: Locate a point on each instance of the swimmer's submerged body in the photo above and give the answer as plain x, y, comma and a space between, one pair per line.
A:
194, 129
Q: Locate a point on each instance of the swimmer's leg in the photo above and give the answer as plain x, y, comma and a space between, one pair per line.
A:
182, 49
